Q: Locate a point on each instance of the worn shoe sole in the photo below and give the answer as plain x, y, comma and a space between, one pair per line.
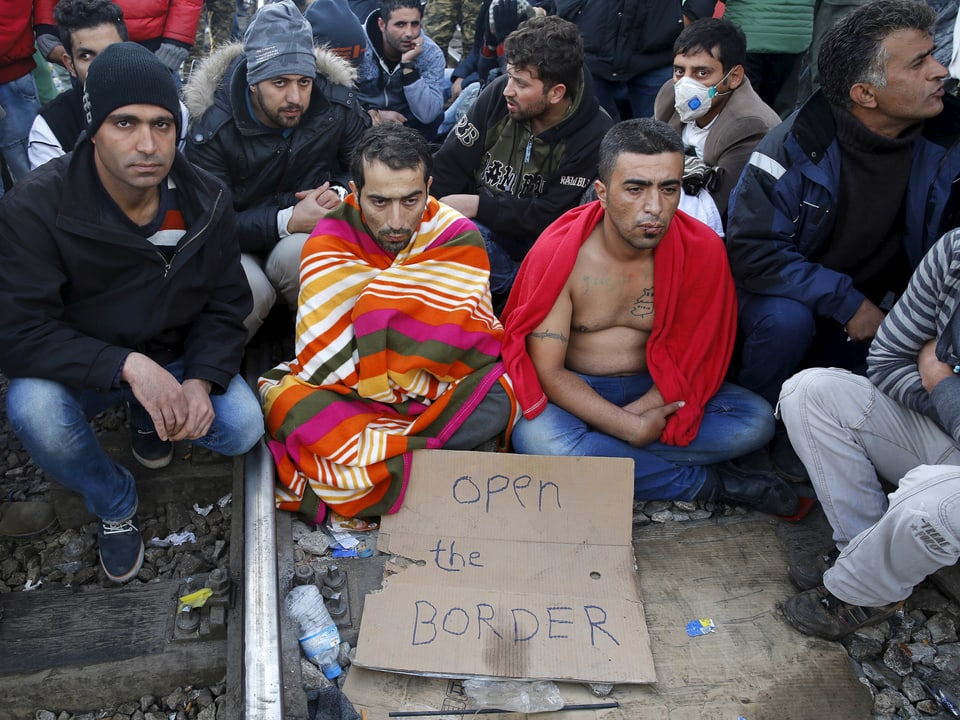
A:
130, 574
808, 615
154, 463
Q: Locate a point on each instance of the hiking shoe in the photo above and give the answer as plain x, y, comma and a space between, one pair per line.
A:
766, 492
21, 520
819, 613
807, 572
121, 548
149, 450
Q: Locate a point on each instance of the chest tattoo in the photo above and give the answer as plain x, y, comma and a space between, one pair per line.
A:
643, 305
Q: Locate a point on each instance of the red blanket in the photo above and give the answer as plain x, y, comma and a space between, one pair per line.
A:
695, 313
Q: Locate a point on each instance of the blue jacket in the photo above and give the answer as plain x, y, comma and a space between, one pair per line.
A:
783, 209
419, 94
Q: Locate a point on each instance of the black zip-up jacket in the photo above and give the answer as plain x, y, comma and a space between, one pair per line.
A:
79, 290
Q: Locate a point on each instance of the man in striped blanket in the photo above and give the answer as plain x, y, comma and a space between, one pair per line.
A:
397, 345
900, 424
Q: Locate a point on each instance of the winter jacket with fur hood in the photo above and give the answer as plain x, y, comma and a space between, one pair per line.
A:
264, 167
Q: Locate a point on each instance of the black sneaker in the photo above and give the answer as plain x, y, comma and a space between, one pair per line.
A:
149, 450
121, 548
819, 613
807, 572
785, 460
766, 492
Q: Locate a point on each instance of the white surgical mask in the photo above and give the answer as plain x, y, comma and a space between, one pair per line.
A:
694, 99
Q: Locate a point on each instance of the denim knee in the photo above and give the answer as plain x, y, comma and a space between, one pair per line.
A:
239, 420
40, 411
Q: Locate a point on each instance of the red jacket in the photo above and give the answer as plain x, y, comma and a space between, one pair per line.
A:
16, 39
146, 20
694, 322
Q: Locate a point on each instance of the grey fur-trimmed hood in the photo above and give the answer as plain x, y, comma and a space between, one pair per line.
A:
200, 90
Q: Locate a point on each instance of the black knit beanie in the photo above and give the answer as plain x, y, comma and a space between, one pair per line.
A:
127, 74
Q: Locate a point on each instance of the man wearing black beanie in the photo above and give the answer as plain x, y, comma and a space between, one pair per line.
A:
121, 282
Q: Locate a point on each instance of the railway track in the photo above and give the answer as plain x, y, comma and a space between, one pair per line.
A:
78, 643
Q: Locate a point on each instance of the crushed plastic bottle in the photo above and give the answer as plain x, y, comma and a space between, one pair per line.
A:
319, 637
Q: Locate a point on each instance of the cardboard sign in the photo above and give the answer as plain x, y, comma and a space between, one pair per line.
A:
522, 567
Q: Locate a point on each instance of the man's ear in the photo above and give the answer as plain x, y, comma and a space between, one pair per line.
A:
735, 78
429, 183
68, 64
356, 193
601, 191
864, 95
556, 93
381, 24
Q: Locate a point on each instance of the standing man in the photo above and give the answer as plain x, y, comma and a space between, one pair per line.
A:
711, 103
121, 282
902, 425
442, 18
19, 103
401, 77
820, 249
629, 45
277, 121
619, 332
364, 391
527, 149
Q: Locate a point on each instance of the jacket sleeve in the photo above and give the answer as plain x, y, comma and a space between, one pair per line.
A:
698, 9
183, 16
424, 93
458, 159
769, 209
731, 162
916, 319
35, 341
257, 225
214, 344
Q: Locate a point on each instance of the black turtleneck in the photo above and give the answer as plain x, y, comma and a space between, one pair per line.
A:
868, 231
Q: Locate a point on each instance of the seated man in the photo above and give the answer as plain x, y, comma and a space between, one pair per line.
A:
901, 425
86, 28
721, 119
620, 329
121, 282
277, 122
397, 344
841, 201
527, 149
401, 76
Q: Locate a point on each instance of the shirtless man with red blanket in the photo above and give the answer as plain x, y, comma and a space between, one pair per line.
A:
619, 331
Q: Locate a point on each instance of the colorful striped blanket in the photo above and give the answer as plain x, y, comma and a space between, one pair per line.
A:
392, 355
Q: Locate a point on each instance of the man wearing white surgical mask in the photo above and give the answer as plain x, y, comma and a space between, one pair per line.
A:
720, 117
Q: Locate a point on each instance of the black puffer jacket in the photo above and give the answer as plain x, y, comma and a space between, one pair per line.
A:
263, 168
625, 38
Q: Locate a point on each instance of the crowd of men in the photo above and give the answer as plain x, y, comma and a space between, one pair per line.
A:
540, 276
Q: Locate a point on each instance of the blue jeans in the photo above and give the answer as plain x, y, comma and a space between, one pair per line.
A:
640, 92
52, 422
503, 268
18, 98
735, 422
781, 336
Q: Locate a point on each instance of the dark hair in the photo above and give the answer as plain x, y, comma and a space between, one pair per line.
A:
396, 146
388, 6
550, 44
717, 37
72, 15
852, 51
643, 136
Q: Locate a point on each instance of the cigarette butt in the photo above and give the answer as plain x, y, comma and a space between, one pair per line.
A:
363, 714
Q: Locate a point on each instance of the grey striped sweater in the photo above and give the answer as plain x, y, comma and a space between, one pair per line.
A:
928, 309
